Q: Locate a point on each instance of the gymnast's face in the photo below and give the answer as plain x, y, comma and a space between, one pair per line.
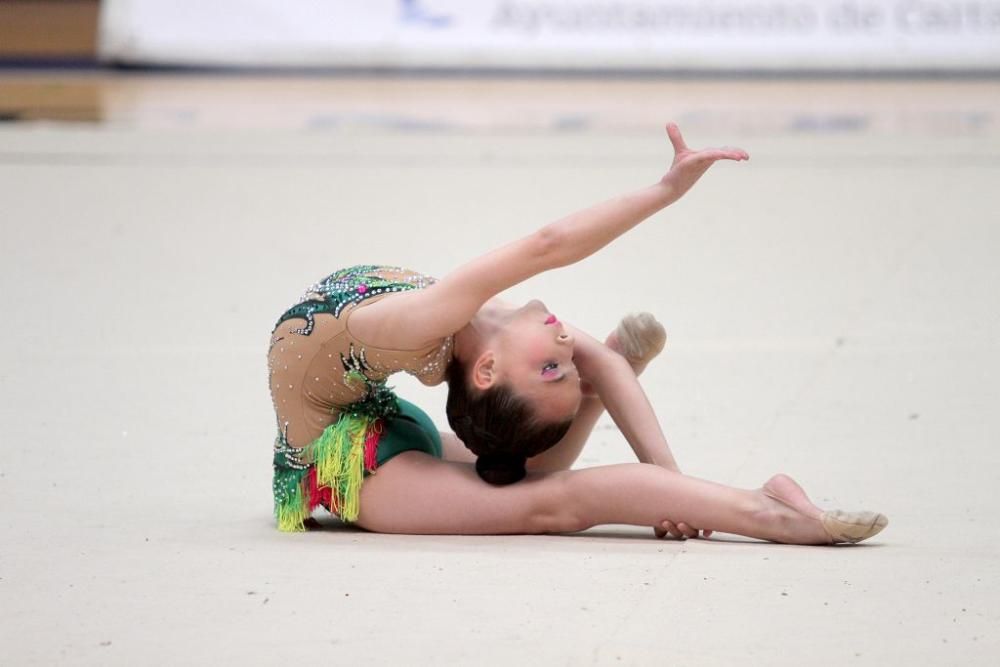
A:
534, 356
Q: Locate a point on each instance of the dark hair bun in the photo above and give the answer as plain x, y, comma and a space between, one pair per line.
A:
499, 469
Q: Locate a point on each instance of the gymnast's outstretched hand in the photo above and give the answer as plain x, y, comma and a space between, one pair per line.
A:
689, 165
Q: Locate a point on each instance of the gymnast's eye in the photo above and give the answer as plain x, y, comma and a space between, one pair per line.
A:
550, 368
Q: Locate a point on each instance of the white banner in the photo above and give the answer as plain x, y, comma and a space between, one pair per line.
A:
557, 34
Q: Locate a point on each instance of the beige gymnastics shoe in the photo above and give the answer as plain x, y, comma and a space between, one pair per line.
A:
640, 338
852, 526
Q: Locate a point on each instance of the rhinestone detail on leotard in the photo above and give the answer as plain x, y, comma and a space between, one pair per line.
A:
350, 286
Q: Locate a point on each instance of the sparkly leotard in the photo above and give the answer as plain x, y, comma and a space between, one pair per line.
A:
329, 393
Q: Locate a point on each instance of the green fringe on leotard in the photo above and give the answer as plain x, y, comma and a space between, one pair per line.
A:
291, 504
329, 471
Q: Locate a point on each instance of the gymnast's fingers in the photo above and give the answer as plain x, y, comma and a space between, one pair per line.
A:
686, 530
676, 139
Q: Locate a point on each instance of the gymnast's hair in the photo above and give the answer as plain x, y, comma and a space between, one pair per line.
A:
499, 427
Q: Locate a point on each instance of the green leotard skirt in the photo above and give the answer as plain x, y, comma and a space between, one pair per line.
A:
410, 429
330, 470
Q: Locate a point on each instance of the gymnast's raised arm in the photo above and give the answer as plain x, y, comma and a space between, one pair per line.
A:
411, 319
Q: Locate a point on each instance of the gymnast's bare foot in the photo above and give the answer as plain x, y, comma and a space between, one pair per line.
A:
796, 520
802, 522
786, 490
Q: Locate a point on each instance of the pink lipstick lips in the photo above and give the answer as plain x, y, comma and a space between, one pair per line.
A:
551, 320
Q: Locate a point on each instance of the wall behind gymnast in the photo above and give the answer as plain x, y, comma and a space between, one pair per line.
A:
564, 35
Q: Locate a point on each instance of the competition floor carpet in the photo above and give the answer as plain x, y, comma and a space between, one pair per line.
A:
831, 305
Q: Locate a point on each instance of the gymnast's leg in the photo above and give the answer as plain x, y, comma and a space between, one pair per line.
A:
416, 493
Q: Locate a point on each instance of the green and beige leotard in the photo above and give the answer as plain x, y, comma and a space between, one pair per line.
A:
337, 419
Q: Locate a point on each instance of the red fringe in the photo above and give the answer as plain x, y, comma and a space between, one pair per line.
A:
323, 495
372, 437
318, 495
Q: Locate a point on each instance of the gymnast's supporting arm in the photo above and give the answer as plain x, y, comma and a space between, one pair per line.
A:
618, 387
565, 452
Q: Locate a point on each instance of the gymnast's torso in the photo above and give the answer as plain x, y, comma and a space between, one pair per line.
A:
319, 366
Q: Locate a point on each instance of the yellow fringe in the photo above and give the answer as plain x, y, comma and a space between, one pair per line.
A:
340, 463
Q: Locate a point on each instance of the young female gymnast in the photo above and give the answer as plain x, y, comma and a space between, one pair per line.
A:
525, 391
